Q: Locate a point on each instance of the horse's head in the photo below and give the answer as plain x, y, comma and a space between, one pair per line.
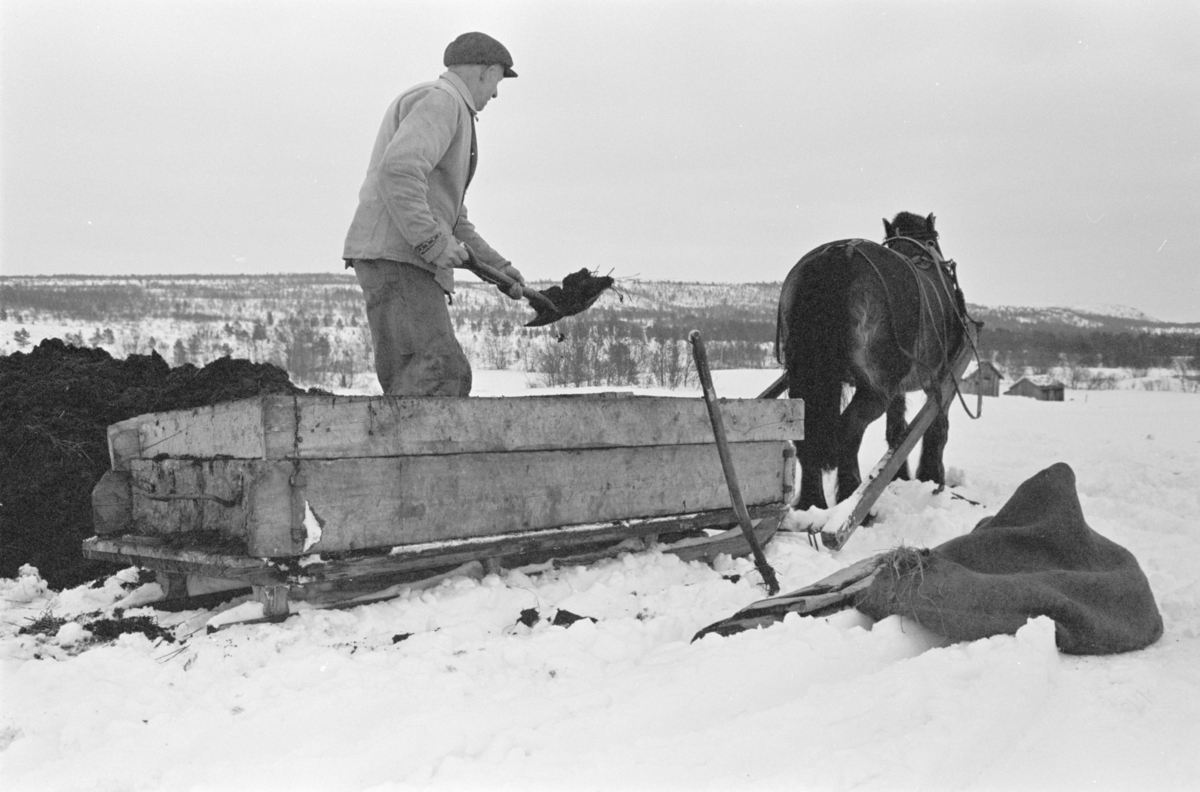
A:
910, 226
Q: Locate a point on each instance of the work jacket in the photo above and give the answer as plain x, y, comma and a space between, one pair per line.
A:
411, 201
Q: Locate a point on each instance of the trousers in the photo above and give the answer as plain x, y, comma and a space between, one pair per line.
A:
416, 353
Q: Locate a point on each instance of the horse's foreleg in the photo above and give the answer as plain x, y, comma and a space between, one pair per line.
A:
865, 408
897, 425
932, 446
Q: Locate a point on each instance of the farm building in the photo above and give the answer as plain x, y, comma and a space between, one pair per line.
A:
1041, 388
984, 380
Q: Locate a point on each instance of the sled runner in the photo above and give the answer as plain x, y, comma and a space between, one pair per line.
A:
326, 498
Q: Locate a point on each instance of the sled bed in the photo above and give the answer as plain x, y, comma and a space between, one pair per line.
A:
318, 496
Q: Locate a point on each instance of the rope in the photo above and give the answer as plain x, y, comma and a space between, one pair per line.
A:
963, 319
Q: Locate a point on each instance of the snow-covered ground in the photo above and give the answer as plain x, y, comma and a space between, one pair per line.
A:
471, 699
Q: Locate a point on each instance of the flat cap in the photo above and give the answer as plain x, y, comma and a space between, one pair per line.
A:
478, 48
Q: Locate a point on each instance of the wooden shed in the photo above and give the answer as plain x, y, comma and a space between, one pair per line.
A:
984, 380
1040, 388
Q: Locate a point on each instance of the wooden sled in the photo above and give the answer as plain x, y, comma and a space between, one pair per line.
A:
327, 499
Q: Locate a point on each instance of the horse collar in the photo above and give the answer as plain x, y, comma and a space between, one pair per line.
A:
929, 250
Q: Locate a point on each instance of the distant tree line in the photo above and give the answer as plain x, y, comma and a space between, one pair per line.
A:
315, 327
1042, 350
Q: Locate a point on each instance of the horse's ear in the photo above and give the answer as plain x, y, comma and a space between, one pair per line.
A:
887, 229
929, 221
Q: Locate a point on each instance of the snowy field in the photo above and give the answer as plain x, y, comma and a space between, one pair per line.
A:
471, 699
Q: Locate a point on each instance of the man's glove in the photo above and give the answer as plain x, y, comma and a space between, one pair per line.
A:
515, 292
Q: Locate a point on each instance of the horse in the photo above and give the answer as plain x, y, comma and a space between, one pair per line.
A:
884, 319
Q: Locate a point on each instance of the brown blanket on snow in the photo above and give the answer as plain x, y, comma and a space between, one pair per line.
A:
1036, 557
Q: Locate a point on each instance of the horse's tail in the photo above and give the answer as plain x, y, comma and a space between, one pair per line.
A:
811, 304
783, 317
815, 336
836, 323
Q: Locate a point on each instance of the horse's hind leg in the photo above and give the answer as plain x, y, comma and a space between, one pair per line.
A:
816, 452
865, 408
897, 425
932, 446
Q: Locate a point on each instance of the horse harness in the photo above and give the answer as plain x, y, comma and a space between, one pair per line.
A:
926, 256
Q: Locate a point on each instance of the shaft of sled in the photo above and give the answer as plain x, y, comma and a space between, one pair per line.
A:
885, 469
775, 389
731, 480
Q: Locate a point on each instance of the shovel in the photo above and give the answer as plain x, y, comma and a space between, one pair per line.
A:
582, 289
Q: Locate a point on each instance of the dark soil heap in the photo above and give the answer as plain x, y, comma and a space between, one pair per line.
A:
56, 404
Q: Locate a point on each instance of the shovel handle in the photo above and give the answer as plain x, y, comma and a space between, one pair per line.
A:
498, 278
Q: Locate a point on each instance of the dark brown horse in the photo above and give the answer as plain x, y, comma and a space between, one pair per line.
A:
884, 319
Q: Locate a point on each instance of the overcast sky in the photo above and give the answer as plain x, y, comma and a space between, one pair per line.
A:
1058, 143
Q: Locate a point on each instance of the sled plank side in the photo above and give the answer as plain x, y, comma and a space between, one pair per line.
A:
383, 502
229, 429
334, 427
124, 444
409, 427
175, 496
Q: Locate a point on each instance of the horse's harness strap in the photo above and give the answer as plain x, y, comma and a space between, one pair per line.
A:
948, 272
930, 258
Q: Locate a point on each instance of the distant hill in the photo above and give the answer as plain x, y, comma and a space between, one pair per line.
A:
1106, 319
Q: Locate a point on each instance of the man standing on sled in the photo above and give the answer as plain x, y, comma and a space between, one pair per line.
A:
411, 226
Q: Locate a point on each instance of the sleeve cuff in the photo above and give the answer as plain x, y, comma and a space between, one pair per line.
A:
431, 248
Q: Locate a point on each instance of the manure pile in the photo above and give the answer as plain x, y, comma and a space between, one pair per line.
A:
56, 403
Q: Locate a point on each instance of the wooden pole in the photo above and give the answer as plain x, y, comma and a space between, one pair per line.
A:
775, 389
735, 490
